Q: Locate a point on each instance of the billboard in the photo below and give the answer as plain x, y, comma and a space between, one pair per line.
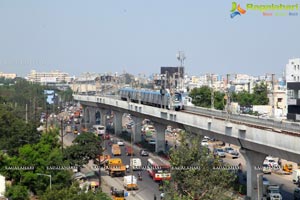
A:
172, 70
50, 96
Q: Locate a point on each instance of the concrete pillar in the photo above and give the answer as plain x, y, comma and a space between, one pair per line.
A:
92, 119
118, 122
160, 138
103, 117
136, 129
253, 160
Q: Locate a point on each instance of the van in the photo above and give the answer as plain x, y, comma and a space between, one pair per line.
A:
99, 130
136, 163
296, 175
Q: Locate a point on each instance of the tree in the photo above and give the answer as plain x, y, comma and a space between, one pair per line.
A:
202, 97
86, 147
260, 94
194, 173
17, 192
72, 193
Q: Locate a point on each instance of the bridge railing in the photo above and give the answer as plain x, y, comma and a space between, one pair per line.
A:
268, 123
271, 123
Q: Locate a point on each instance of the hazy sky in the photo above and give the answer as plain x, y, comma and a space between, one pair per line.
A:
139, 36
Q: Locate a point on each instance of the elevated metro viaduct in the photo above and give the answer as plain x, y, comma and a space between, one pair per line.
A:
256, 142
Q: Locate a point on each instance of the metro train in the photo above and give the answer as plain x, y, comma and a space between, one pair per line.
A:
155, 98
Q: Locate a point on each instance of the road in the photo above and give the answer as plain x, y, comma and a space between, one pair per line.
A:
147, 187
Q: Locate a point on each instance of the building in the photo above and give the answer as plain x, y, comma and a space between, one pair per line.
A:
292, 78
8, 75
48, 77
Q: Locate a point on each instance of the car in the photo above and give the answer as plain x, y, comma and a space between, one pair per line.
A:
297, 193
152, 141
271, 162
144, 152
266, 181
266, 169
204, 142
120, 143
232, 152
219, 152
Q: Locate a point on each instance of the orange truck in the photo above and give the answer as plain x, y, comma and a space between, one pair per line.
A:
116, 167
77, 114
115, 150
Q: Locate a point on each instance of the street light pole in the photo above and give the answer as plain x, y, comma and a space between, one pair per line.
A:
48, 176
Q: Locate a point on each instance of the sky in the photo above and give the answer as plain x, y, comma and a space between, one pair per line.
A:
139, 36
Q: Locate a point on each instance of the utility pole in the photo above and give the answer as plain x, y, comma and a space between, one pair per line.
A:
228, 97
272, 93
62, 136
26, 114
212, 96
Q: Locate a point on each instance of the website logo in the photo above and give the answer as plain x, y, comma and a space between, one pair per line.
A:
236, 10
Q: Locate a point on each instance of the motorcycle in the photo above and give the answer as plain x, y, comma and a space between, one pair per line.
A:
140, 177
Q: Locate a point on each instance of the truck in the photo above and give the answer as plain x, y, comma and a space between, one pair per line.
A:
271, 192
136, 163
116, 167
117, 194
296, 176
115, 150
130, 182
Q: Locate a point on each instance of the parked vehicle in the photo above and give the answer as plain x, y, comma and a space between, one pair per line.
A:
204, 142
233, 153
219, 152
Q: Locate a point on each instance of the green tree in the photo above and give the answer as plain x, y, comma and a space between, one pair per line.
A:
85, 147
260, 94
202, 180
202, 97
72, 193
17, 192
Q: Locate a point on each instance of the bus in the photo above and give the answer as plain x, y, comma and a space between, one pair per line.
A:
99, 130
158, 170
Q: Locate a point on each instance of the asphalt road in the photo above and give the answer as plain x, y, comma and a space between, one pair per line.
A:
147, 187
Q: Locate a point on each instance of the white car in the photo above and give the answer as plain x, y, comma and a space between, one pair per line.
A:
120, 143
204, 142
271, 162
220, 153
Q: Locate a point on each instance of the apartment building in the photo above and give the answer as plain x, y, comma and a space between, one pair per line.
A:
292, 78
48, 77
8, 75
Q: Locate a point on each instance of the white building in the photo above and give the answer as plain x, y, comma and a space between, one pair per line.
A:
48, 77
8, 75
292, 70
2, 186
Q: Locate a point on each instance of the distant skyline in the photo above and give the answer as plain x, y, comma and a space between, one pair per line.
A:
141, 36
